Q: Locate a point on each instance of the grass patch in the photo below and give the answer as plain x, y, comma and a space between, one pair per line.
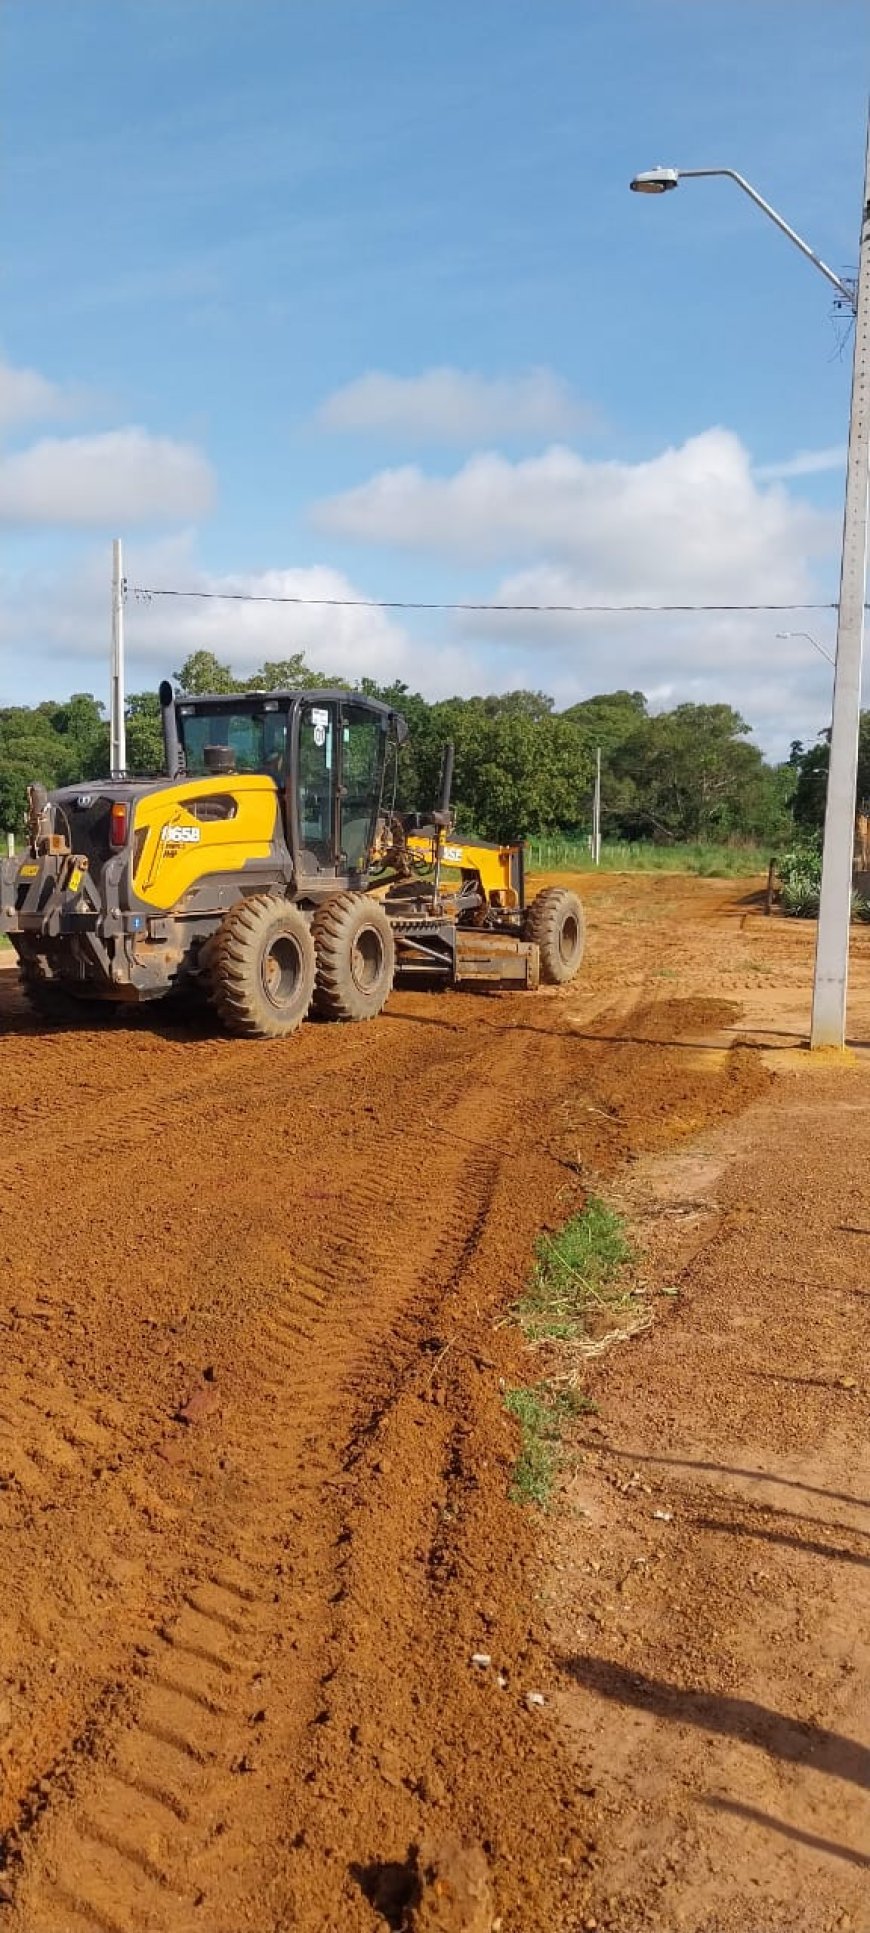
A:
542, 1414
581, 1298
575, 1276
571, 854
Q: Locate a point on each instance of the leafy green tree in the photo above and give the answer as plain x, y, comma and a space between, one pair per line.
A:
145, 754
84, 731
608, 719
518, 769
290, 674
31, 749
202, 671
695, 777
14, 780
534, 705
810, 765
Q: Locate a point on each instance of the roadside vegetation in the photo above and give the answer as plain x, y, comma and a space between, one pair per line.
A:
578, 1273
581, 1297
800, 881
572, 854
682, 791
542, 1414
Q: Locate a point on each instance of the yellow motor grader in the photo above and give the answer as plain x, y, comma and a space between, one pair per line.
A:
266, 870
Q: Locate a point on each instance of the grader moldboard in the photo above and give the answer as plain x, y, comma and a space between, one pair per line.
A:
266, 871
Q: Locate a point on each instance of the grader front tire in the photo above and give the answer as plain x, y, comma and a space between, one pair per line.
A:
356, 958
262, 970
556, 924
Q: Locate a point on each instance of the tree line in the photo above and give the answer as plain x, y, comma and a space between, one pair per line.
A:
521, 767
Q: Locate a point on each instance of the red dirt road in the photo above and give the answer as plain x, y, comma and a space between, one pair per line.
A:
254, 1459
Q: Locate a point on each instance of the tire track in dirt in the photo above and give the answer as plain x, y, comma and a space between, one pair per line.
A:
169, 1759
321, 1228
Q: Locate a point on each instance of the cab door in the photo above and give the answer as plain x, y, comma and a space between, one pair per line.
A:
363, 749
318, 786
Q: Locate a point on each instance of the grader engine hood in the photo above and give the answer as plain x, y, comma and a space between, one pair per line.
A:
202, 829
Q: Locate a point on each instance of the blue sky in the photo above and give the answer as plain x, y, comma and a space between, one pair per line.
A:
240, 235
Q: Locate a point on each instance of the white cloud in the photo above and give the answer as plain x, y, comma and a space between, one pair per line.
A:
28, 397
692, 525
456, 406
68, 613
351, 640
54, 638
781, 686
117, 478
692, 522
807, 463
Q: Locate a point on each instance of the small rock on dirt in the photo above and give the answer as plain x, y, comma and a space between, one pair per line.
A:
201, 1404
455, 1889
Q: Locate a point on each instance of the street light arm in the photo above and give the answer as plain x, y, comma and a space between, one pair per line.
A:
810, 640
844, 289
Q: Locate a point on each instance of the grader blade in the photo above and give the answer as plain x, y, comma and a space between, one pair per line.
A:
495, 959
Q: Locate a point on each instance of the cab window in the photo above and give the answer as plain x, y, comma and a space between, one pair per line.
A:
317, 782
362, 756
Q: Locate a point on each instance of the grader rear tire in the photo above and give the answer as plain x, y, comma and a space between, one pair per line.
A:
262, 968
556, 924
356, 958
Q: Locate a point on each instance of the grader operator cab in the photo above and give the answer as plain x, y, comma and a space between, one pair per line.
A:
268, 870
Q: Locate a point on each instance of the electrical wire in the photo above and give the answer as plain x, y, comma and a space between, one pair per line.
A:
145, 594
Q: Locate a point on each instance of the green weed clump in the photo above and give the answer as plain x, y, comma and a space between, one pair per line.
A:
542, 1414
578, 1300
575, 1275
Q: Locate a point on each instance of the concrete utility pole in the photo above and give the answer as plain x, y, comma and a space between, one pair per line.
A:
596, 812
835, 905
832, 941
117, 726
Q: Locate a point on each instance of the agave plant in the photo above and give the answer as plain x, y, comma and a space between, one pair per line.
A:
800, 875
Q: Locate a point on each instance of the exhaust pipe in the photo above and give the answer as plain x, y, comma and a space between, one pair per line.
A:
442, 820
171, 746
443, 814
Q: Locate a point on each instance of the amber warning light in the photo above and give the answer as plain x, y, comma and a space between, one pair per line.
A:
119, 824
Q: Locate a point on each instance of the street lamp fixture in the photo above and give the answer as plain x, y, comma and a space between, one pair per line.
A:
656, 181
835, 902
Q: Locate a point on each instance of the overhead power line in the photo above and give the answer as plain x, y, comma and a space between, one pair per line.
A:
146, 592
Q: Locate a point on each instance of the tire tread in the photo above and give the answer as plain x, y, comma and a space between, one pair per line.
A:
335, 997
235, 991
543, 920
